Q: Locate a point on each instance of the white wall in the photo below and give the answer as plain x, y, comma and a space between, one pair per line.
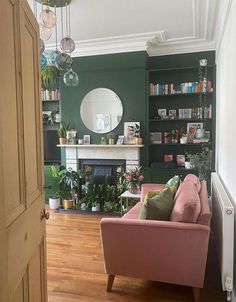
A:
226, 102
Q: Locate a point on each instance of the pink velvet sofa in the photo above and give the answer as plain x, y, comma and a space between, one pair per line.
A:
165, 251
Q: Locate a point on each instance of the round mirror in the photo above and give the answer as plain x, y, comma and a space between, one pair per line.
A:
101, 110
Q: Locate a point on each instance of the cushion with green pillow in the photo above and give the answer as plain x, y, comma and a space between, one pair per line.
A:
173, 183
151, 194
158, 207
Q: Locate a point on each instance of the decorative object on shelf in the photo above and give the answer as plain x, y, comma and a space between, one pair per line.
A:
47, 21
71, 136
111, 138
172, 114
162, 113
134, 179
156, 137
80, 141
192, 129
131, 130
103, 141
86, 139
180, 160
64, 127
120, 140
184, 139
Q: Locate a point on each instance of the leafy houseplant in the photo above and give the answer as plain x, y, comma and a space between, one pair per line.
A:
200, 162
69, 182
134, 178
50, 78
62, 132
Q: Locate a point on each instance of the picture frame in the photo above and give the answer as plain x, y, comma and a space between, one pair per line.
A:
181, 113
120, 140
86, 139
172, 114
131, 130
162, 113
192, 129
156, 138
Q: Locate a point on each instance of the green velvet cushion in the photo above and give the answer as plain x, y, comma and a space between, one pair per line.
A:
173, 183
158, 207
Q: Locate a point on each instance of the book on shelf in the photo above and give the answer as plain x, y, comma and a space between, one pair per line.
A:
156, 137
197, 140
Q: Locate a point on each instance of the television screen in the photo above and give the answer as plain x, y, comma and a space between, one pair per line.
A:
52, 154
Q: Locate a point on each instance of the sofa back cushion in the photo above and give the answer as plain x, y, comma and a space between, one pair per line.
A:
187, 205
205, 214
158, 207
194, 179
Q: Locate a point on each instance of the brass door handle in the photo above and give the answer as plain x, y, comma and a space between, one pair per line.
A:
44, 214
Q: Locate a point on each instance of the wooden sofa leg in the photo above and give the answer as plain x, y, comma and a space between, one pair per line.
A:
110, 281
196, 294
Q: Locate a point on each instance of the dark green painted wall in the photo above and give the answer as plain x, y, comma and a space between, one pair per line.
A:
123, 73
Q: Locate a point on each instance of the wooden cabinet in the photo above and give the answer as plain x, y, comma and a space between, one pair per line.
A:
22, 229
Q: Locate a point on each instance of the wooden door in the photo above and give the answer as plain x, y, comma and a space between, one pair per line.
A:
22, 227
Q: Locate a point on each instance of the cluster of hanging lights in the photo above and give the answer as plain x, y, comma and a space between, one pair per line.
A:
48, 21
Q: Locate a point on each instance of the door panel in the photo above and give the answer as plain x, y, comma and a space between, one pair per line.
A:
31, 109
11, 118
22, 229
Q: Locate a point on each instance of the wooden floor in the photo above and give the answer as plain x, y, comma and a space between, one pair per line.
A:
76, 271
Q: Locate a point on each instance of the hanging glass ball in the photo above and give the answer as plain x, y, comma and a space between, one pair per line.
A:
43, 61
67, 44
42, 46
45, 33
48, 18
71, 78
63, 61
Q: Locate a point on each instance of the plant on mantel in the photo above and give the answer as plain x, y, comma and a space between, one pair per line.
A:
62, 132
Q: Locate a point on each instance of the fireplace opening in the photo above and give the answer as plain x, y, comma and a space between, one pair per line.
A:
102, 171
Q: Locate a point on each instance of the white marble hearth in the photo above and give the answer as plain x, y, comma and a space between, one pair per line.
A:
129, 153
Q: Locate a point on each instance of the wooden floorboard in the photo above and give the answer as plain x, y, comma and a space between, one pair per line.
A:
76, 269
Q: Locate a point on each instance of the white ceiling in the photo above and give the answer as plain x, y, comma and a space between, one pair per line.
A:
169, 26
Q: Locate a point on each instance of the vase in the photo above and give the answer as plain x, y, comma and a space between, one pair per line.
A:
133, 189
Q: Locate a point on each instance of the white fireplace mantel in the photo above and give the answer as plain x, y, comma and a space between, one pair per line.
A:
129, 153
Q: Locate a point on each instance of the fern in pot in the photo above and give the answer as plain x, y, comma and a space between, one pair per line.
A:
50, 78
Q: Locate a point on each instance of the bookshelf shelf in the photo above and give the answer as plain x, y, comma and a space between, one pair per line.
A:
178, 94
198, 120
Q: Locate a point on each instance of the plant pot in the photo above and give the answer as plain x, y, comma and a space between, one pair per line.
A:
54, 203
138, 140
96, 208
67, 204
111, 141
187, 165
62, 140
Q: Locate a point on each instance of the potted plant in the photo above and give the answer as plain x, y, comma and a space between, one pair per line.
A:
134, 178
64, 127
111, 138
50, 78
69, 181
54, 199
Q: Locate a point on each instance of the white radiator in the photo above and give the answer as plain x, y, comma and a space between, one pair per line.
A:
223, 227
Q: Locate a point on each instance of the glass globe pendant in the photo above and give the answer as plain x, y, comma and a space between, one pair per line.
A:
43, 61
45, 33
67, 45
48, 18
42, 46
71, 78
63, 61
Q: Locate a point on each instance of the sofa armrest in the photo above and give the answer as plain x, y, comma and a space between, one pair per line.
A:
152, 249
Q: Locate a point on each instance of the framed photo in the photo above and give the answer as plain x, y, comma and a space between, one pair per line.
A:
181, 113
168, 157
86, 139
172, 113
162, 113
120, 140
180, 160
156, 137
192, 129
131, 130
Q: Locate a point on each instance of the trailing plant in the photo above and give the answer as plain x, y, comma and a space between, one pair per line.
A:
50, 78
62, 129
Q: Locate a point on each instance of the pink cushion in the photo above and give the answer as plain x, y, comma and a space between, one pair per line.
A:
205, 214
187, 205
194, 179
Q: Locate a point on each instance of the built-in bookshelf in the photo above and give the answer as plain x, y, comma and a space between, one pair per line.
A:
174, 107
51, 109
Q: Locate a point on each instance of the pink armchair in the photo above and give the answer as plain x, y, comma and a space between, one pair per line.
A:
165, 251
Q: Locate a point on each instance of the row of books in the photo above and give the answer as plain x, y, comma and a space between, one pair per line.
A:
47, 95
197, 112
186, 87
